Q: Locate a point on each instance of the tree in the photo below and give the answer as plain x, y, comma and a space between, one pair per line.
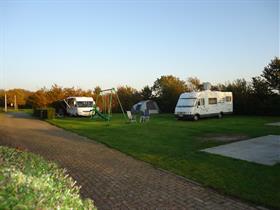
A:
2, 97
146, 93
271, 73
21, 96
241, 91
69, 92
128, 97
97, 90
260, 87
55, 93
39, 98
167, 90
194, 83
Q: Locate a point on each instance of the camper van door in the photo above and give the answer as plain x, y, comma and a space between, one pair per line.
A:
201, 108
71, 110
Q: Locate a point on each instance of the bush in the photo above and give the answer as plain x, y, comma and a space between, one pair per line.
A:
27, 181
44, 113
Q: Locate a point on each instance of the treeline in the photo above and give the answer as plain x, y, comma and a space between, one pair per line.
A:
261, 95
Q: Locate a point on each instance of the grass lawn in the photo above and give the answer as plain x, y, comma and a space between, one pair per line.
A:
28, 111
174, 145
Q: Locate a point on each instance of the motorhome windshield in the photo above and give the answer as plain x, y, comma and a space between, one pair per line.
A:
186, 102
84, 103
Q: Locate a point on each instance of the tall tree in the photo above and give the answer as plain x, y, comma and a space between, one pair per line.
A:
21, 96
146, 93
260, 87
128, 97
241, 90
194, 83
55, 93
167, 90
39, 98
271, 73
97, 90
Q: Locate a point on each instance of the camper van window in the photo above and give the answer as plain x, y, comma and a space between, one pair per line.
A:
186, 102
212, 101
84, 103
151, 105
202, 102
228, 99
138, 107
71, 102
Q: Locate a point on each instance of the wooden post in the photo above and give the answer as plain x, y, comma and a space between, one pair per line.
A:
15, 104
6, 102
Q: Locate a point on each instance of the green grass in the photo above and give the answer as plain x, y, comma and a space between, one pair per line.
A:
27, 181
28, 111
174, 145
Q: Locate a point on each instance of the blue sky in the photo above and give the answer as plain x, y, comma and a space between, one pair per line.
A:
112, 43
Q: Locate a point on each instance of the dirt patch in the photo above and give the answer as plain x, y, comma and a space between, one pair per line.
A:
221, 137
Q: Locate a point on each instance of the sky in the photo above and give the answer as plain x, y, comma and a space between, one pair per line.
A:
112, 43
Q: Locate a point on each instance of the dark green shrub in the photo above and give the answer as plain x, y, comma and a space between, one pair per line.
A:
27, 181
44, 113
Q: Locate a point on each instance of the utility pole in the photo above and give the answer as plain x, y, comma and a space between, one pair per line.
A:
15, 104
6, 102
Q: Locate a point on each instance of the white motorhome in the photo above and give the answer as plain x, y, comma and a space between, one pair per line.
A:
79, 106
207, 103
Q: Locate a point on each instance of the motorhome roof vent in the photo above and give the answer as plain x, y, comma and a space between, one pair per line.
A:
206, 86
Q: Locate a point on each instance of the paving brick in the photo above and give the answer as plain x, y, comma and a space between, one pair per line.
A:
112, 179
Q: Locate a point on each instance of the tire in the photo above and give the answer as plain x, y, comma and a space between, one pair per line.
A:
220, 115
196, 117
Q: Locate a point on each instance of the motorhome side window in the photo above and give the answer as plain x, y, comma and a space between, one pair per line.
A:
228, 98
84, 103
201, 102
212, 100
71, 102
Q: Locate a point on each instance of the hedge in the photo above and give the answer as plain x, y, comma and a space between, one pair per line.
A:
27, 181
44, 113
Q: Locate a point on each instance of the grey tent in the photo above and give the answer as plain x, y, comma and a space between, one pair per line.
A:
149, 105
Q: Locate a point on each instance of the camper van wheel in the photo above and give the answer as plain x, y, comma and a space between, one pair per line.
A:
220, 115
196, 117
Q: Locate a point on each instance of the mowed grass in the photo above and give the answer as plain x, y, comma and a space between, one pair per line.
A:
174, 145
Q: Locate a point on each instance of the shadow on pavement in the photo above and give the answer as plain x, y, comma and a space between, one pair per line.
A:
20, 115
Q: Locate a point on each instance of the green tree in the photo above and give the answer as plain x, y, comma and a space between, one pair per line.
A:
167, 91
260, 87
21, 96
55, 93
97, 90
146, 93
194, 83
241, 91
2, 98
128, 97
39, 98
271, 73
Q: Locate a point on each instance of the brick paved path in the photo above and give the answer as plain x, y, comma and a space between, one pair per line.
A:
112, 179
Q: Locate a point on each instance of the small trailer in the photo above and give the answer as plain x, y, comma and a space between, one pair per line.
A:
207, 103
79, 106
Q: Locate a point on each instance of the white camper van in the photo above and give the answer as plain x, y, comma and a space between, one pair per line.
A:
207, 103
79, 106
